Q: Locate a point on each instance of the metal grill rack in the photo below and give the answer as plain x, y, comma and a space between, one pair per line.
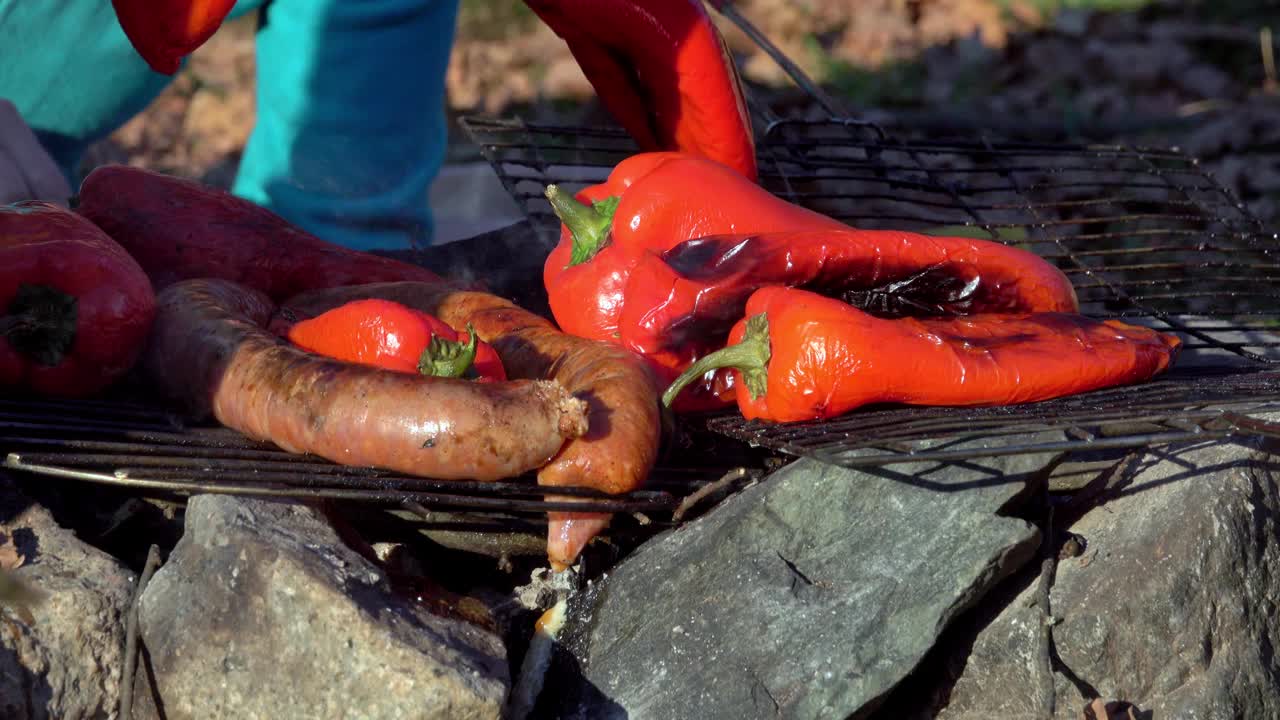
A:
142, 447
1144, 234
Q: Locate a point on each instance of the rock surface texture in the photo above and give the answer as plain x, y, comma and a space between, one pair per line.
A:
63, 661
809, 595
1171, 606
262, 612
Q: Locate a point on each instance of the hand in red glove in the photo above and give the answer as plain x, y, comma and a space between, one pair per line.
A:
165, 31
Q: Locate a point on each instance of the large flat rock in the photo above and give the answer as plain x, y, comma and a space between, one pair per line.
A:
809, 595
64, 661
1172, 605
262, 612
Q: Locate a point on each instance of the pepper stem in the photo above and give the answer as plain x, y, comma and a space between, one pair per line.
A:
750, 356
40, 323
448, 358
589, 225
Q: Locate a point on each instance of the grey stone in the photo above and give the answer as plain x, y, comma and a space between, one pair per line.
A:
1171, 606
808, 595
65, 664
262, 612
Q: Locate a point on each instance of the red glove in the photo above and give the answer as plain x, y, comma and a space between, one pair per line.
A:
165, 31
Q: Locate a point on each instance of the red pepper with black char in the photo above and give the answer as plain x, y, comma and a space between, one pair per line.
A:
801, 356
651, 201
165, 31
663, 70
179, 229
75, 309
681, 304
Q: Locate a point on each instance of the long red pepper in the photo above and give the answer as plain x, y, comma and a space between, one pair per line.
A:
651, 201
75, 309
801, 356
681, 304
663, 70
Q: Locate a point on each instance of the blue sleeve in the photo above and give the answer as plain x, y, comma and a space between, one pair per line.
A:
350, 125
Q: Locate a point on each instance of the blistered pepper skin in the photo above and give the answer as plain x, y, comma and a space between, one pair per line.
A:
664, 199
681, 304
827, 358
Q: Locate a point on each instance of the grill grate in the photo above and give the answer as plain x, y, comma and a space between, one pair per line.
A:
1144, 235
143, 447
1182, 407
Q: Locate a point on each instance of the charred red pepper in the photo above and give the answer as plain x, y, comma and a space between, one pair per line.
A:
663, 70
801, 356
165, 31
681, 304
650, 201
386, 334
75, 308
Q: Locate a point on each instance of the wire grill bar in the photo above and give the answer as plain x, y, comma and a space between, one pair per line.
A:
147, 449
1141, 232
1186, 406
1144, 234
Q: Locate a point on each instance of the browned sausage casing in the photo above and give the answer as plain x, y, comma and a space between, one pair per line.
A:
209, 348
624, 425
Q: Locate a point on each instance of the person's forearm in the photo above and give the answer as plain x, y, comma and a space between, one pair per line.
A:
26, 170
351, 127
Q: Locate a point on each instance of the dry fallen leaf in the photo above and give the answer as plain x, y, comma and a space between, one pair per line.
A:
10, 558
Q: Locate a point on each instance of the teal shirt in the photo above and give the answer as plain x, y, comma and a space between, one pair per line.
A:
350, 127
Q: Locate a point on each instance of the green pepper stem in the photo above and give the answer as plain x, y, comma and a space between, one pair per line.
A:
40, 323
750, 356
448, 358
589, 225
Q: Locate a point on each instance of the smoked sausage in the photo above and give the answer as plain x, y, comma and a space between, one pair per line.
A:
624, 416
209, 347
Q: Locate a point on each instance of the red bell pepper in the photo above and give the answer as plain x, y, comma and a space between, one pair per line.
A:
651, 201
165, 31
681, 304
386, 334
75, 308
802, 356
663, 70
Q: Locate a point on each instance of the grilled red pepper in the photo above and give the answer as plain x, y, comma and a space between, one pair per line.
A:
802, 356
75, 309
650, 201
179, 229
663, 70
386, 334
165, 31
681, 304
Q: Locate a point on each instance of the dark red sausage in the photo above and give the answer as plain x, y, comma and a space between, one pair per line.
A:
178, 229
624, 423
209, 348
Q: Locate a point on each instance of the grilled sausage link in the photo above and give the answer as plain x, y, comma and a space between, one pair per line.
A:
624, 425
209, 348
